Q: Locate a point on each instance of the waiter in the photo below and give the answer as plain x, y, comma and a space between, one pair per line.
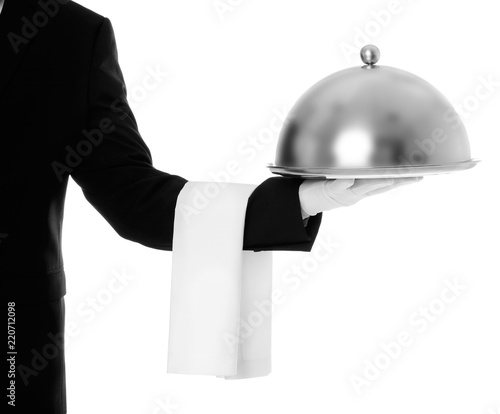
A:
64, 111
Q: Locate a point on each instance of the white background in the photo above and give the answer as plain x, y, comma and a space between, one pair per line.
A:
228, 73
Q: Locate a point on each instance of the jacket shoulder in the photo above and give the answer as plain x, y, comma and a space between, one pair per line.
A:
73, 10
67, 8
76, 15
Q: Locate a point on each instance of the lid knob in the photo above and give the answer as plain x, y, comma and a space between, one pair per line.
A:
370, 54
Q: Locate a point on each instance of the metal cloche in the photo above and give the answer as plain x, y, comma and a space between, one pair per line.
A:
372, 121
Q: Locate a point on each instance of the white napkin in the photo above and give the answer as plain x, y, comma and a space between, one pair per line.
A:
220, 308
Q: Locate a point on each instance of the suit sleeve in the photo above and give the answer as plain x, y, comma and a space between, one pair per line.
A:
137, 200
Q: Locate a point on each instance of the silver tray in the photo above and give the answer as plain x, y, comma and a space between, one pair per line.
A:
374, 172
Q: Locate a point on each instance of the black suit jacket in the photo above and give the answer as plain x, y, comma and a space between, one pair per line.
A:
63, 111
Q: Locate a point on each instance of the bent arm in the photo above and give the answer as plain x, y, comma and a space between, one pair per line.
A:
138, 201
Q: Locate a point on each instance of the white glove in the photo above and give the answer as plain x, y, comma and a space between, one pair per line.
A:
321, 195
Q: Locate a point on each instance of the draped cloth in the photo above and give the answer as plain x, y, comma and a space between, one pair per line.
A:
220, 308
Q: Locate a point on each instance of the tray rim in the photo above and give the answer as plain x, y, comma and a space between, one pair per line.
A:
472, 161
415, 170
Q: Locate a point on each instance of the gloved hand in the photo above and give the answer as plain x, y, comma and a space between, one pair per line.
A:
321, 195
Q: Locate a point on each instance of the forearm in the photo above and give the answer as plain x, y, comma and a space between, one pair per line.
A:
274, 218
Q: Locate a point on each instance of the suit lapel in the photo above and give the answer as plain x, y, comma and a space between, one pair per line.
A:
14, 41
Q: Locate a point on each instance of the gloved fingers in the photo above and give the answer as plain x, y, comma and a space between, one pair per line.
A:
337, 186
312, 185
365, 185
339, 191
398, 182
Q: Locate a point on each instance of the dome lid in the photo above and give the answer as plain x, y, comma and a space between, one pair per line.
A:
372, 116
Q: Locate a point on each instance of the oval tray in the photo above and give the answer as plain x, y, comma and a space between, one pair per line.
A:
375, 172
